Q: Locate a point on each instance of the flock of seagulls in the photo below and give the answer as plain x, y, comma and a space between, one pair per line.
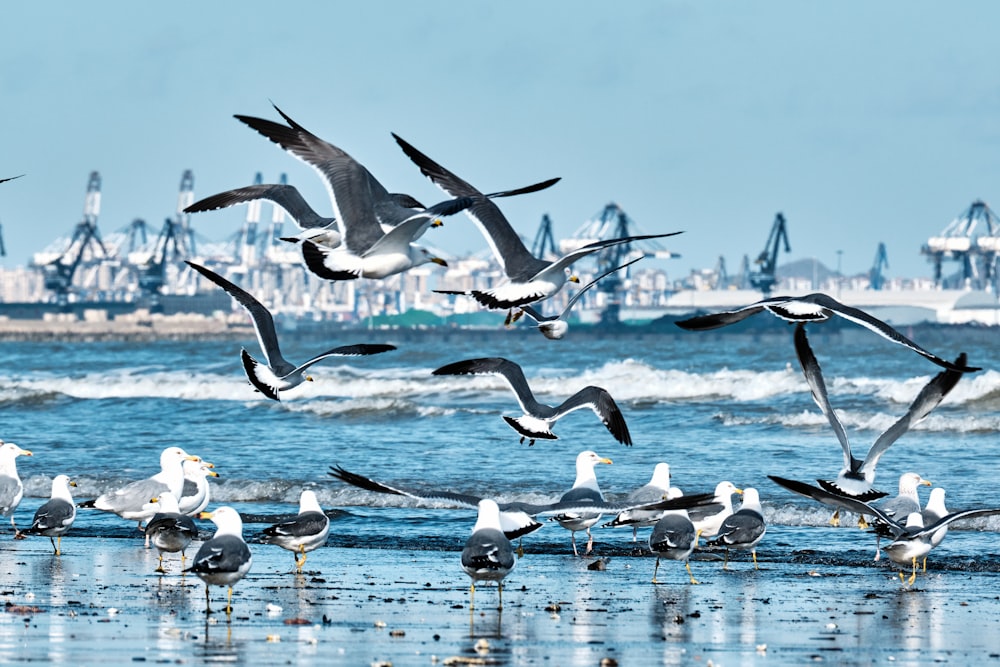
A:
373, 234
913, 532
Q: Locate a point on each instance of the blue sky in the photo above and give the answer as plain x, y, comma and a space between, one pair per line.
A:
862, 122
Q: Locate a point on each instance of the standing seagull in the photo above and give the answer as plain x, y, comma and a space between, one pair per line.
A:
658, 488
307, 531
170, 530
743, 529
488, 555
815, 308
279, 375
529, 279
708, 520
674, 537
224, 559
538, 418
857, 476
134, 500
585, 488
554, 327
11, 488
195, 495
55, 517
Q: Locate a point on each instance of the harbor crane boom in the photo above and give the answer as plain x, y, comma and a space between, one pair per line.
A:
764, 278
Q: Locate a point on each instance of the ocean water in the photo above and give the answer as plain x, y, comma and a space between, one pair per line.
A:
713, 405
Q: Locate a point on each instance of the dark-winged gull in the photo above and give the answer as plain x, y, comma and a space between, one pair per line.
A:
673, 537
529, 279
585, 487
488, 554
707, 520
858, 475
313, 227
658, 488
378, 229
170, 530
278, 375
308, 530
517, 518
814, 308
743, 529
224, 559
900, 506
55, 517
538, 418
554, 327
912, 538
134, 500
933, 511
196, 494
11, 488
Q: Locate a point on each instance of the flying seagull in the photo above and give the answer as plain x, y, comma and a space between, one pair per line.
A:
363, 209
488, 554
814, 308
538, 418
278, 375
858, 475
54, 518
529, 279
554, 327
912, 537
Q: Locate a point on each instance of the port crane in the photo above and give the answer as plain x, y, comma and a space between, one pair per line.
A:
962, 241
764, 278
875, 277
58, 273
545, 243
612, 223
174, 242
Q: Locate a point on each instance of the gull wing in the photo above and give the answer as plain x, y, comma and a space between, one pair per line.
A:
814, 377
603, 405
356, 350
286, 196
347, 181
509, 370
508, 249
263, 323
566, 260
838, 500
929, 397
881, 328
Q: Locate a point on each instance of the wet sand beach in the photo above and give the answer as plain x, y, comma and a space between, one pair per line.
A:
101, 602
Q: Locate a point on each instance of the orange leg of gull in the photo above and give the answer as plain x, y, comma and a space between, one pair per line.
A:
300, 562
656, 568
687, 566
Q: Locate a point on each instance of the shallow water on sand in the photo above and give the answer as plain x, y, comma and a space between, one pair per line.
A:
713, 406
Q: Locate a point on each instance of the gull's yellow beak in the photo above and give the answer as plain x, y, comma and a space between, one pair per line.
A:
574, 279
207, 464
437, 222
739, 491
926, 482
71, 483
309, 378
25, 452
192, 457
608, 461
212, 473
206, 515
